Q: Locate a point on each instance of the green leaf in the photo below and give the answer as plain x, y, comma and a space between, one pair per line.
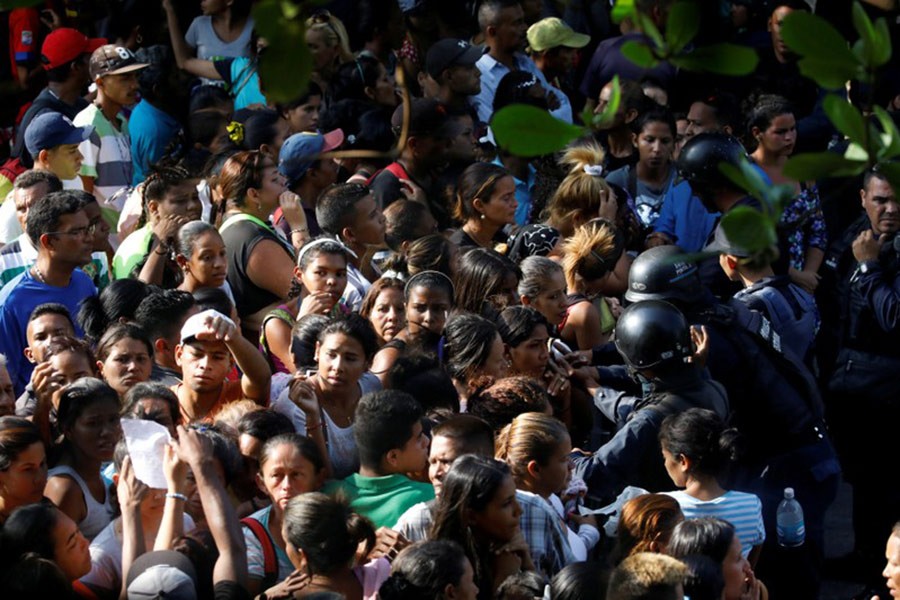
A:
871, 47
722, 59
825, 57
639, 53
608, 116
855, 151
649, 28
811, 166
883, 40
682, 25
891, 171
749, 228
622, 10
892, 145
286, 65
529, 131
846, 118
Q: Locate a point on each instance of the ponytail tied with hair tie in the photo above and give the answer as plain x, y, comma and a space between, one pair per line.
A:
594, 170
235, 131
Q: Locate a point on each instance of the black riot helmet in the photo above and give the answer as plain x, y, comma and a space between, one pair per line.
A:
662, 273
701, 155
653, 335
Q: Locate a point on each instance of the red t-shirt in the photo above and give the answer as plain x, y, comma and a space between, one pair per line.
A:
24, 37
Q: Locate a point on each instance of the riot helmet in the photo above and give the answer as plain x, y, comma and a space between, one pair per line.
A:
662, 273
653, 334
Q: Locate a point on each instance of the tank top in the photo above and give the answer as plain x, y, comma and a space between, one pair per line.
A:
99, 514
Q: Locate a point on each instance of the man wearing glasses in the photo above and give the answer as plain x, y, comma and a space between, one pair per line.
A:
64, 238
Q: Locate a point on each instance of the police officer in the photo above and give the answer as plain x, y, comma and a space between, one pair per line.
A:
860, 301
654, 340
699, 164
774, 399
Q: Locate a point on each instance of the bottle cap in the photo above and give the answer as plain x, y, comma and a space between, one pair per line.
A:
789, 493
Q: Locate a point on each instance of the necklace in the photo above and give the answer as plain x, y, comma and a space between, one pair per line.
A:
342, 421
36, 271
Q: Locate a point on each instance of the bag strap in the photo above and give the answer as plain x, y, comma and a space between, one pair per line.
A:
270, 560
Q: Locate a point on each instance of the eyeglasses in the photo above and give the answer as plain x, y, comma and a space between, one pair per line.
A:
78, 231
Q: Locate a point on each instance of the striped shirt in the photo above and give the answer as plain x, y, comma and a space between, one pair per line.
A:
107, 156
742, 510
20, 254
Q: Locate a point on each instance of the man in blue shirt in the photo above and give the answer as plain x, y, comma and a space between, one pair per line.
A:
503, 24
62, 232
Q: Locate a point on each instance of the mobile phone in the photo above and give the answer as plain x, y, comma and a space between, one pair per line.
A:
558, 348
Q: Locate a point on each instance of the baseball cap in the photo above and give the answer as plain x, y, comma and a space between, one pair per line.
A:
197, 324
162, 574
113, 60
426, 117
553, 32
52, 129
300, 151
65, 45
451, 52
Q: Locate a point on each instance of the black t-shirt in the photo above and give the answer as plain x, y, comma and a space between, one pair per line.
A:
45, 101
230, 590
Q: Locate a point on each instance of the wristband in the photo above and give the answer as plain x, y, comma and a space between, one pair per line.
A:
314, 427
177, 496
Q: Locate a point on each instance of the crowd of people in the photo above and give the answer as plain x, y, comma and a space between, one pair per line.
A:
238, 365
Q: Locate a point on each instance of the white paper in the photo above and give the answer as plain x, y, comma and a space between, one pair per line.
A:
613, 509
146, 441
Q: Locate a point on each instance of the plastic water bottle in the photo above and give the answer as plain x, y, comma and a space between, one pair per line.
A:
789, 520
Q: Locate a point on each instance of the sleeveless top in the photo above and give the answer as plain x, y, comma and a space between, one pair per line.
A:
241, 237
99, 514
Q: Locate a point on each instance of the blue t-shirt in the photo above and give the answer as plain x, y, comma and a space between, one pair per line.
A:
151, 132
17, 300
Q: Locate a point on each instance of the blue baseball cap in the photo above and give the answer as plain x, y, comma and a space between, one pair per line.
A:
52, 129
300, 151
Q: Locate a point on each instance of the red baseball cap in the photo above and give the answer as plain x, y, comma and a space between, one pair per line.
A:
65, 45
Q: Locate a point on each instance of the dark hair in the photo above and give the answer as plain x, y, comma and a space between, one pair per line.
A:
766, 108
531, 436
65, 343
381, 284
16, 435
500, 402
43, 217
33, 576
61, 73
701, 435
189, 233
655, 115
261, 127
478, 280
214, 298
118, 332
336, 206
161, 63
160, 314
312, 89
536, 270
205, 126
705, 580
30, 529
51, 308
434, 252
207, 97
33, 177
241, 172
468, 340
305, 446
429, 279
403, 220
424, 570
580, 581
524, 584
118, 300
326, 530
643, 520
319, 246
264, 424
708, 536
162, 179
479, 180
469, 485
304, 336
725, 109
384, 421
352, 78
470, 434
150, 390
356, 327
514, 87
225, 449
420, 375
77, 396
517, 324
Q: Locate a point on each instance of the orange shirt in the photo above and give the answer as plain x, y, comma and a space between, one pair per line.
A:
231, 391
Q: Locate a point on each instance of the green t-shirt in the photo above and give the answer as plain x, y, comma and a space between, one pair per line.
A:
382, 499
131, 252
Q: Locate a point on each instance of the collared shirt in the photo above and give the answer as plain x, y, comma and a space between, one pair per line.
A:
547, 542
523, 194
491, 74
19, 255
107, 156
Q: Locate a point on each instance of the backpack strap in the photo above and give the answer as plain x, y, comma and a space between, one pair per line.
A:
270, 560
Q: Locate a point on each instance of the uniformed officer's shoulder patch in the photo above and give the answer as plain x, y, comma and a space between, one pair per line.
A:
27, 38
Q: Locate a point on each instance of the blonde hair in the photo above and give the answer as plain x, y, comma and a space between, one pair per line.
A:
333, 31
643, 574
579, 196
531, 436
591, 248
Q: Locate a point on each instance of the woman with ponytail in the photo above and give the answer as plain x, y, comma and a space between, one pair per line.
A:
485, 204
436, 570
472, 349
596, 268
697, 449
583, 194
322, 535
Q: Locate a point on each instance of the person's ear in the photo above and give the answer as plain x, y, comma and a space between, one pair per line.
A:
392, 456
45, 240
369, 91
29, 354
160, 346
298, 274
755, 132
100, 369
862, 198
179, 349
450, 592
630, 115
728, 129
43, 156
268, 150
260, 484
684, 463
533, 469
153, 207
252, 193
732, 263
525, 300
478, 205
634, 140
182, 261
316, 354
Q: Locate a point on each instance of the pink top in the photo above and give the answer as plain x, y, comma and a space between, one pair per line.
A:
372, 575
